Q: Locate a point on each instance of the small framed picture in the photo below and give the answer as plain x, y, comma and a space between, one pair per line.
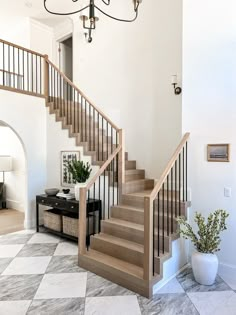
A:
218, 152
66, 178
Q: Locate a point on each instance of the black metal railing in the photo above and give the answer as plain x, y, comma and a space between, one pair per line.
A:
94, 130
169, 203
21, 69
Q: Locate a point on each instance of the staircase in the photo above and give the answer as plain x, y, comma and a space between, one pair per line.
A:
139, 214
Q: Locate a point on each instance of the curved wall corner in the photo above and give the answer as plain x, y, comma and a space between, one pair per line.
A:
26, 116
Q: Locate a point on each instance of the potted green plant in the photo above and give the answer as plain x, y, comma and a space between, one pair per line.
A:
80, 173
206, 241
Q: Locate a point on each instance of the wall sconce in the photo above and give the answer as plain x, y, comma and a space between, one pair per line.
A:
174, 81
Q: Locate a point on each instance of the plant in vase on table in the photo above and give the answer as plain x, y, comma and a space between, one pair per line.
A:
80, 173
206, 241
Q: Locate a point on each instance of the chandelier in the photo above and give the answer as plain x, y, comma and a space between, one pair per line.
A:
90, 20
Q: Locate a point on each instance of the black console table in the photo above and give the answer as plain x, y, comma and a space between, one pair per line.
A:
68, 207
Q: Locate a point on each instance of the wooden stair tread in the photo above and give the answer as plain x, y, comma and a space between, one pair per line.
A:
125, 224
132, 208
133, 171
142, 193
116, 263
120, 241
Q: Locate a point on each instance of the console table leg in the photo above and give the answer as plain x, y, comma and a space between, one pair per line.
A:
37, 217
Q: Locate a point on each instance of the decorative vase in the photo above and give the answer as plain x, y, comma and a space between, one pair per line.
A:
205, 267
77, 189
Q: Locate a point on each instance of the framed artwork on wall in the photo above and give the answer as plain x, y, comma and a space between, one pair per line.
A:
66, 178
218, 152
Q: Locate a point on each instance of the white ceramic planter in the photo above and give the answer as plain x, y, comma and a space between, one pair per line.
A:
77, 189
205, 267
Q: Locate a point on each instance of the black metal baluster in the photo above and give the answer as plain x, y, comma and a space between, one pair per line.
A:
23, 53
85, 116
167, 222
171, 178
108, 191
186, 173
153, 238
40, 74
107, 140
183, 175
98, 146
94, 215
32, 74
104, 195
113, 180
3, 62
102, 140
94, 138
158, 224
89, 127
36, 57
14, 82
18, 70
179, 159
163, 218
82, 132
176, 189
28, 75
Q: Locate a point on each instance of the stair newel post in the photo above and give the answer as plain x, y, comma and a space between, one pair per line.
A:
82, 220
148, 239
46, 77
121, 163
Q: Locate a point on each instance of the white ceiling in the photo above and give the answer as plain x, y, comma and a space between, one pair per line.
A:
35, 9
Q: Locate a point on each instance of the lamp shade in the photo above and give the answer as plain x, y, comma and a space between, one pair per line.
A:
5, 163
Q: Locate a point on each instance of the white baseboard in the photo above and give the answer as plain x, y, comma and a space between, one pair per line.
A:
227, 269
163, 282
14, 204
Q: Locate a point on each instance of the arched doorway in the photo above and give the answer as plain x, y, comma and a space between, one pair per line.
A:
13, 209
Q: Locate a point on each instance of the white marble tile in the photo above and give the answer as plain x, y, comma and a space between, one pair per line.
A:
10, 250
173, 286
27, 266
66, 249
115, 305
217, 302
229, 277
42, 238
24, 232
14, 307
63, 285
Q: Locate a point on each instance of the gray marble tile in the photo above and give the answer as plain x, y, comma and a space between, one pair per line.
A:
19, 287
73, 306
15, 239
167, 304
4, 262
98, 286
34, 250
186, 279
64, 264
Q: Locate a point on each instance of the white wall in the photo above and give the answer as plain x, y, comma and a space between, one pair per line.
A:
58, 140
126, 71
209, 47
41, 38
27, 117
15, 29
15, 181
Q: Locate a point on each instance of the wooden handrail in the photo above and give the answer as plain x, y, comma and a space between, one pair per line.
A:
167, 170
103, 167
83, 95
21, 48
5, 71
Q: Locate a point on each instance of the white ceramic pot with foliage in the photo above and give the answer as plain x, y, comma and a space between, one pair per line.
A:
80, 173
206, 241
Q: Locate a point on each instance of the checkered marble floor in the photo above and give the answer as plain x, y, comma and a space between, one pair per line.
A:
39, 276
